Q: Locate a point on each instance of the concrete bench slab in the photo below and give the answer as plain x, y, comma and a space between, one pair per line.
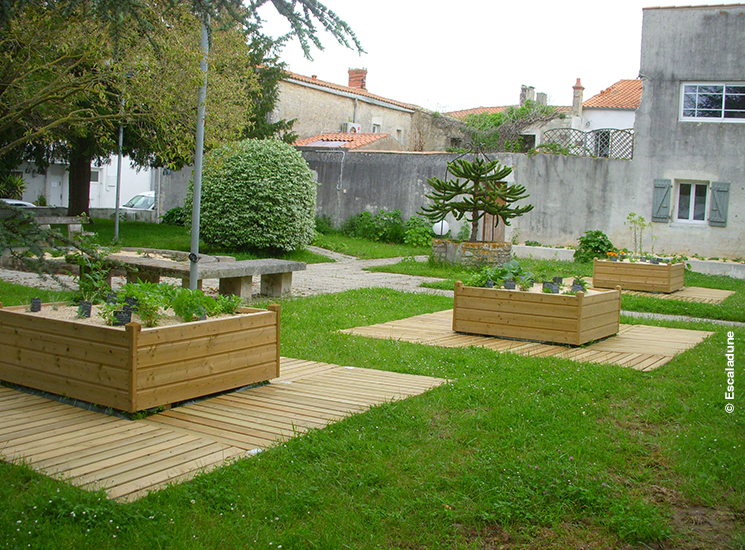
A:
235, 277
74, 223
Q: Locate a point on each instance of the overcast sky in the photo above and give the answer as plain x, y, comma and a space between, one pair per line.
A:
457, 54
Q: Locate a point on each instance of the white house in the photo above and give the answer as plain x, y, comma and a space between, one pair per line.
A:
53, 184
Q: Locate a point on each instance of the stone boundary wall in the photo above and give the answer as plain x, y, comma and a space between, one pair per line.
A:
471, 254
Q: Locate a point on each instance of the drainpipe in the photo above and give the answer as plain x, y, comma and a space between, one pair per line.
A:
356, 106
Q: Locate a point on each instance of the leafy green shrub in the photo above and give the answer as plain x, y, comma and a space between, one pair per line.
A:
418, 231
324, 225
175, 216
387, 227
257, 194
12, 186
593, 244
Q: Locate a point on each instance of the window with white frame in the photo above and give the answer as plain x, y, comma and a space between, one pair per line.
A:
713, 101
692, 201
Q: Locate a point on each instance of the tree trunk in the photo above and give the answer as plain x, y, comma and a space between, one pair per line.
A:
80, 184
474, 226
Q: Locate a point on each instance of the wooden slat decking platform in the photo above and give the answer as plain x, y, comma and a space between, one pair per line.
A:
128, 459
639, 347
689, 294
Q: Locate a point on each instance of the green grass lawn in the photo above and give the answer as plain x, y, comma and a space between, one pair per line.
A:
16, 295
732, 309
365, 249
525, 452
171, 237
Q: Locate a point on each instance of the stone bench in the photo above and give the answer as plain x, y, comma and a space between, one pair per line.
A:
235, 277
74, 223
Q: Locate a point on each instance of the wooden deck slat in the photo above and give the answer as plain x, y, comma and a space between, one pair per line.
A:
688, 294
130, 458
641, 347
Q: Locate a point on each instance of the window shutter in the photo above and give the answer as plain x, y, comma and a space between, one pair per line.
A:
661, 201
719, 203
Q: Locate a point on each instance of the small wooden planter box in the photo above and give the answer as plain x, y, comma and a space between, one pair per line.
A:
557, 318
638, 276
135, 368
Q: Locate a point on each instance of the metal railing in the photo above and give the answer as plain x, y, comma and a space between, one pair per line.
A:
604, 143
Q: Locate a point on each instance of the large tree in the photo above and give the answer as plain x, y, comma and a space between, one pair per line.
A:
138, 65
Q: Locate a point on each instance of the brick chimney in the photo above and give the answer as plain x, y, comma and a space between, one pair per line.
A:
358, 78
577, 99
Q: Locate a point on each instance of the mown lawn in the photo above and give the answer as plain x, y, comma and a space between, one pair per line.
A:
515, 452
731, 309
172, 237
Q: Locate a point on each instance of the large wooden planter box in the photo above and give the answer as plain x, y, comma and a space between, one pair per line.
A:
135, 368
638, 276
557, 318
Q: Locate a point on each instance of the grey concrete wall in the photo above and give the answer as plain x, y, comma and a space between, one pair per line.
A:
571, 195
353, 182
703, 44
173, 188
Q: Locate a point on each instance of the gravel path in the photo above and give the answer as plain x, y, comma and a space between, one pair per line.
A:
345, 273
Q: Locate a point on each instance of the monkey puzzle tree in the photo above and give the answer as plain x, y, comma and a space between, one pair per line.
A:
479, 189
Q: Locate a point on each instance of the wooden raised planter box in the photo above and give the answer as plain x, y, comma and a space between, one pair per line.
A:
638, 276
133, 368
540, 317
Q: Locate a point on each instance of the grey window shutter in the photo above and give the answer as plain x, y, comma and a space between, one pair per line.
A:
719, 203
661, 201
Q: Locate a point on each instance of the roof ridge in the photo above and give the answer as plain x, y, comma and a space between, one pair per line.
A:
340, 87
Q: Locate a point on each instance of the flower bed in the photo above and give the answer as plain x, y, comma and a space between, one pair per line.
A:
557, 318
664, 277
134, 368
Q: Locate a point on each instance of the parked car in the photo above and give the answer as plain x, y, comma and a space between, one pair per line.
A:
19, 204
141, 201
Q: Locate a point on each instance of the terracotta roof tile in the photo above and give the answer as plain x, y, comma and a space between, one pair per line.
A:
338, 87
624, 94
476, 111
491, 110
340, 139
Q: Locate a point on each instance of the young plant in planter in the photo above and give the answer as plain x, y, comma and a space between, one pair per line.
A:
149, 297
478, 189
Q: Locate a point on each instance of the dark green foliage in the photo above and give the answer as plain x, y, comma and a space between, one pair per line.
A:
257, 194
264, 56
593, 244
386, 227
479, 189
12, 186
26, 242
324, 225
175, 216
